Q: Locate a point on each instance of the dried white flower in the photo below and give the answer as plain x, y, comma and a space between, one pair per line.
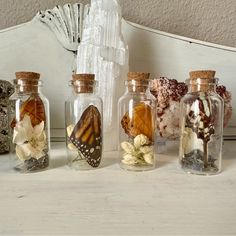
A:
128, 157
30, 141
146, 149
133, 160
138, 153
190, 141
140, 140
70, 129
72, 147
149, 158
129, 162
128, 147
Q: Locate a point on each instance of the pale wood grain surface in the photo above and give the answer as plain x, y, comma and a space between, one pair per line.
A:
110, 201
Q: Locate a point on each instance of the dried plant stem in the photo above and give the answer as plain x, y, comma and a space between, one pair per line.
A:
205, 155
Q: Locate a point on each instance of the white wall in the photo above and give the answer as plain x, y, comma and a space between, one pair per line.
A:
208, 20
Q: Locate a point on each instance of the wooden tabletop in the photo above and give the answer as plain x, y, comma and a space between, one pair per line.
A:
111, 201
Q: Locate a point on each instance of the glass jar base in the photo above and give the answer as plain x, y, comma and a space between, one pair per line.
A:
136, 168
21, 168
81, 165
203, 173
31, 165
194, 163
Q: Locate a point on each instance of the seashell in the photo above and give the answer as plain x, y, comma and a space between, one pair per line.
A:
66, 23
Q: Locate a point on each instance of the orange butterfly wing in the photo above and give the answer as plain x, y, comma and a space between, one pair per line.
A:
87, 136
34, 108
139, 122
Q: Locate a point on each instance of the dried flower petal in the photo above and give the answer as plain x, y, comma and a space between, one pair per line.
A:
22, 154
70, 129
131, 162
149, 158
128, 147
140, 140
129, 157
190, 141
22, 131
38, 129
72, 147
146, 149
30, 141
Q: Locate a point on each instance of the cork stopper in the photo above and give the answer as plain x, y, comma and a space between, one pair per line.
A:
203, 74
138, 81
24, 75
138, 76
83, 77
28, 81
83, 83
202, 80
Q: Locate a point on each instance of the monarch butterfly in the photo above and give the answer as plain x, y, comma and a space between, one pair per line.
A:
34, 108
139, 122
87, 137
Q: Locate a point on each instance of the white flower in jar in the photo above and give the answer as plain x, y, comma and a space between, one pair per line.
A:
69, 130
146, 149
30, 141
129, 159
141, 140
139, 152
128, 147
149, 158
190, 141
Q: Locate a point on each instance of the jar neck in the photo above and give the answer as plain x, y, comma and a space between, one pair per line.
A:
201, 88
81, 90
202, 85
134, 86
83, 87
27, 87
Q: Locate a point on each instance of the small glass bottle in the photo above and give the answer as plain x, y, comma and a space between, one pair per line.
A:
137, 129
29, 124
201, 125
83, 115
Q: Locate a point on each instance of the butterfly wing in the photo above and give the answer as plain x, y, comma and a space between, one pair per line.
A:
34, 108
87, 136
140, 122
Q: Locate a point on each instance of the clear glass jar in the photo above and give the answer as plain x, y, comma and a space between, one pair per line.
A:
201, 125
137, 129
83, 115
29, 124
